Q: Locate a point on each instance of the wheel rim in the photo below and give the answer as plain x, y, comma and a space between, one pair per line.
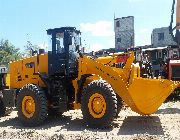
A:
28, 106
97, 105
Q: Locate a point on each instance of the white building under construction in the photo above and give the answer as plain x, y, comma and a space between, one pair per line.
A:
124, 32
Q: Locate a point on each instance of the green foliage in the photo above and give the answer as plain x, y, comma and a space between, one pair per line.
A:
29, 47
8, 52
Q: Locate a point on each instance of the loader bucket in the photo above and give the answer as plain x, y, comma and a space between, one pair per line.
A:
148, 94
142, 95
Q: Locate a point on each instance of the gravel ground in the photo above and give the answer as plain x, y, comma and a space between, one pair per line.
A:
164, 124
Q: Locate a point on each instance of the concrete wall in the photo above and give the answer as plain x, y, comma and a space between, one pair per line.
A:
158, 41
124, 32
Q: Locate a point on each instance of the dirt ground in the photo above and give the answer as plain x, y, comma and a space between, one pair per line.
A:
164, 124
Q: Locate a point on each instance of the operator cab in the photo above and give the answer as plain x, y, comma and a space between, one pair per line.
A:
63, 58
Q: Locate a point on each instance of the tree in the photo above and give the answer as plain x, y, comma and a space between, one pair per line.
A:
8, 52
29, 48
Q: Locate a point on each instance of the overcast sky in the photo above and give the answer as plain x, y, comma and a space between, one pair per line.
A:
22, 20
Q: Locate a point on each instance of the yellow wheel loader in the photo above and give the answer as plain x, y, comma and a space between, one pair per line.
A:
64, 79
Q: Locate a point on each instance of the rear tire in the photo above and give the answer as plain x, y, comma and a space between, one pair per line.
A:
99, 104
32, 105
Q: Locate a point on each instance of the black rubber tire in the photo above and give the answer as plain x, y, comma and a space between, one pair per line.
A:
105, 89
40, 100
2, 108
119, 105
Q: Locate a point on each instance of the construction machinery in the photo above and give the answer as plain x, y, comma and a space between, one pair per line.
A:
64, 79
173, 64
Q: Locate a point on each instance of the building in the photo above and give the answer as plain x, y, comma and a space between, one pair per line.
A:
166, 46
160, 55
124, 33
161, 37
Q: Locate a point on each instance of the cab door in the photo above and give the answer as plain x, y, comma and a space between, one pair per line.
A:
58, 57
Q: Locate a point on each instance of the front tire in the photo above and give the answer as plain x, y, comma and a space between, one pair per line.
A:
119, 105
32, 105
99, 104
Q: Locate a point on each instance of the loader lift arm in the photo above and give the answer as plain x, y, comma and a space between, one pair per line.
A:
127, 84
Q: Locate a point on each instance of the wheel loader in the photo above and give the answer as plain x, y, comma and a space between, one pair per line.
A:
65, 79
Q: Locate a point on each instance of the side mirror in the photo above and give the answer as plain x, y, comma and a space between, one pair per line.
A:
33, 52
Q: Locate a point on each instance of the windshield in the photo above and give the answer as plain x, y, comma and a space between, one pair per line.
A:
60, 43
76, 42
